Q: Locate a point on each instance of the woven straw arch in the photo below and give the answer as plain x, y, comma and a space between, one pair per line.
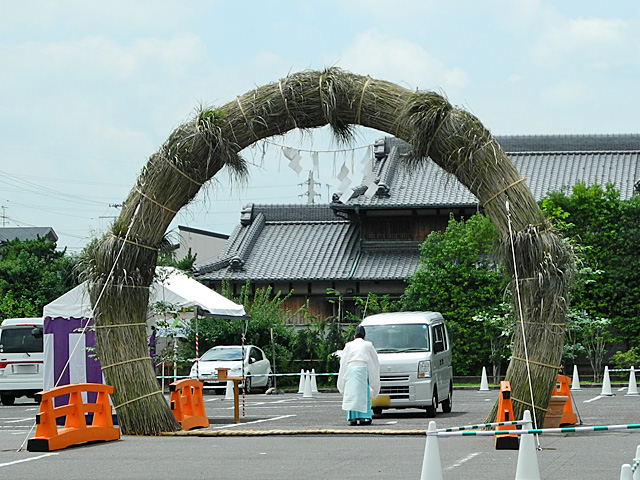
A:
199, 148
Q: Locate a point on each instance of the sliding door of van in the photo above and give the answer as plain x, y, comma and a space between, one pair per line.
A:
441, 360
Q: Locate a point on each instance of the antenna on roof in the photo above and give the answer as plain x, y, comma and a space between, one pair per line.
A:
311, 193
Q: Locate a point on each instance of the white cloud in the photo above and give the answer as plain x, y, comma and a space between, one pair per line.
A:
104, 57
404, 62
567, 93
592, 42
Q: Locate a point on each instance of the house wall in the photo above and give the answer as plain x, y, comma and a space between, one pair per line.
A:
321, 303
206, 247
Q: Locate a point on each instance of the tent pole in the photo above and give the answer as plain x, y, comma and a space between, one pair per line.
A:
197, 348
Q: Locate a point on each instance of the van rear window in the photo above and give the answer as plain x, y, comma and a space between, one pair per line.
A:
20, 340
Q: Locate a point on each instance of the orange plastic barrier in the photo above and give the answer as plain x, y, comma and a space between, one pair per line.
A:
186, 404
563, 388
49, 437
505, 414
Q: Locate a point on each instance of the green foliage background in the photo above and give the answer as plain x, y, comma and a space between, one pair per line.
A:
459, 277
606, 232
32, 274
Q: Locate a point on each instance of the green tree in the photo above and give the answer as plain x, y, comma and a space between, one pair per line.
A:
592, 335
606, 231
498, 324
32, 274
167, 258
459, 277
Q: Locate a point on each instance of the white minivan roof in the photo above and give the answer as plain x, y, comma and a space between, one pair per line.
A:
12, 322
402, 317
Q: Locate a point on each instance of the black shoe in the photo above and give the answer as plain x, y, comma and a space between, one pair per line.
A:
353, 422
365, 421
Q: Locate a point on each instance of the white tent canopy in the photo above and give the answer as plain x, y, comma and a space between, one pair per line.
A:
171, 286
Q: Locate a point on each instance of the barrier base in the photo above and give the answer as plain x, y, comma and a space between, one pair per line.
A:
507, 442
68, 437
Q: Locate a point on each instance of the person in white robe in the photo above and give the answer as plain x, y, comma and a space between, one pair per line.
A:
359, 378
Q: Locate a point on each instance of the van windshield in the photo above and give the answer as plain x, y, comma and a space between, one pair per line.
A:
398, 338
20, 340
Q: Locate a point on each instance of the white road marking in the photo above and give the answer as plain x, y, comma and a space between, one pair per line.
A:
462, 461
285, 400
30, 419
255, 421
27, 459
593, 399
622, 389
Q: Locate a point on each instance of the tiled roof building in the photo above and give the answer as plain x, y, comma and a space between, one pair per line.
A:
370, 244
27, 233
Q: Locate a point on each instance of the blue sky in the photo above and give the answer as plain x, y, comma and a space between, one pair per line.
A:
89, 90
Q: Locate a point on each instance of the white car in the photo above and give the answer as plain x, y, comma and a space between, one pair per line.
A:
257, 368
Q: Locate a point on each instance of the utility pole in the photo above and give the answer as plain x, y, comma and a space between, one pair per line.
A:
4, 216
311, 192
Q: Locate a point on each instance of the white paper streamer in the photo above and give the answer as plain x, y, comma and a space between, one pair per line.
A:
294, 158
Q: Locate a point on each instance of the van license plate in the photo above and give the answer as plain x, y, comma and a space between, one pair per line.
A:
25, 369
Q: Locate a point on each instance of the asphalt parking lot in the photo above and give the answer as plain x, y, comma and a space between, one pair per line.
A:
319, 444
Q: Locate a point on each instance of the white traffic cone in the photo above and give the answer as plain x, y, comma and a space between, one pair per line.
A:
575, 381
484, 384
301, 384
228, 393
626, 473
636, 463
307, 393
431, 464
314, 384
606, 384
527, 468
633, 387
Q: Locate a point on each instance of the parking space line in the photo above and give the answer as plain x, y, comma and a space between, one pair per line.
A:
29, 419
462, 461
27, 459
255, 421
593, 399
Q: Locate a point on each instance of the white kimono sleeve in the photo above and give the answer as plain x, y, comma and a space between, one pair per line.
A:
374, 371
344, 359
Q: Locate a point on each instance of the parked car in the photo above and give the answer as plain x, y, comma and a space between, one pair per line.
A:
21, 357
230, 356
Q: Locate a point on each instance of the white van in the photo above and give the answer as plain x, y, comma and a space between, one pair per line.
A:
21, 357
415, 360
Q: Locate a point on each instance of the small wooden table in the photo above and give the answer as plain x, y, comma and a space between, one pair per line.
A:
222, 375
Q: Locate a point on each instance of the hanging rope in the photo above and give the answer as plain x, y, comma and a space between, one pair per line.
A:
521, 313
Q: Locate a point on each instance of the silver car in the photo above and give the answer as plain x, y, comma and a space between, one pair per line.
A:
257, 368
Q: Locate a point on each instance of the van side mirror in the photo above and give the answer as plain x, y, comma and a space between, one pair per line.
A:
438, 347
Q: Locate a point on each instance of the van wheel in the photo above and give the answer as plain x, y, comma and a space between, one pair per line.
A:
431, 410
446, 404
377, 410
7, 399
